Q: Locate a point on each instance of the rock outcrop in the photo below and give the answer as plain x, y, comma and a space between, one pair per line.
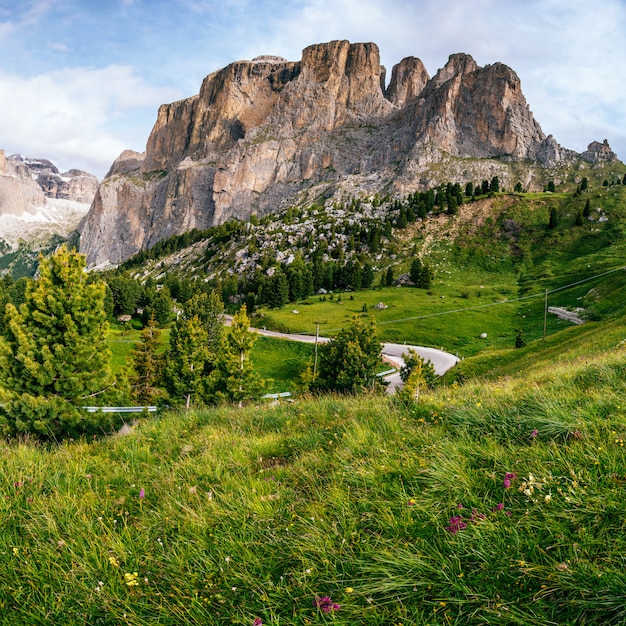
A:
262, 134
18, 190
39, 205
597, 152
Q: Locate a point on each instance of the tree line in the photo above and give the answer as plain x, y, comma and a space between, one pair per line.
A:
55, 360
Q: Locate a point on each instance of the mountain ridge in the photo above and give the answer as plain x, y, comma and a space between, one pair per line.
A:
268, 133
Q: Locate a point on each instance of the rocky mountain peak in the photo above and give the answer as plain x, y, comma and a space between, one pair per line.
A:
458, 64
408, 79
597, 152
267, 133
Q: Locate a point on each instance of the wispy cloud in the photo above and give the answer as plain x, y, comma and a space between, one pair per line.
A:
69, 115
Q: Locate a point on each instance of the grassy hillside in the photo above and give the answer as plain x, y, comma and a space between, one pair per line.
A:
493, 503
497, 499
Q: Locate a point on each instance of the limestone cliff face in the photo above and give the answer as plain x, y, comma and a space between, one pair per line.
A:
18, 190
27, 182
261, 133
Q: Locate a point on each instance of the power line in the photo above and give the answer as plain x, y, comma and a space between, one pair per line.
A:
484, 306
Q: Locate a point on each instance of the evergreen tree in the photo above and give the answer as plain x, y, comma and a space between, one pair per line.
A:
209, 309
554, 218
587, 209
188, 360
624, 180
412, 361
349, 362
234, 378
147, 365
53, 356
367, 277
584, 184
495, 185
469, 190
551, 188
579, 218
415, 273
389, 277
426, 277
518, 187
161, 308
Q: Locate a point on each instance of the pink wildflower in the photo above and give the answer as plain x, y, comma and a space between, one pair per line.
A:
508, 479
257, 622
325, 604
142, 493
455, 524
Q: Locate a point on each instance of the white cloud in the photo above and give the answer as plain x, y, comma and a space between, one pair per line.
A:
66, 115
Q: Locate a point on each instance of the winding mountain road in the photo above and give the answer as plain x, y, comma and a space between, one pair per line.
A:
391, 352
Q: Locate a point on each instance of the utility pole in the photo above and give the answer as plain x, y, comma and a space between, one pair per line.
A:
317, 334
545, 316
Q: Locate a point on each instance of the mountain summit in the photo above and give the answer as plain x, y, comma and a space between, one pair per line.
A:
267, 133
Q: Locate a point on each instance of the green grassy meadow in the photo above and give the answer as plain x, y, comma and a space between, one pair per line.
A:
495, 499
486, 503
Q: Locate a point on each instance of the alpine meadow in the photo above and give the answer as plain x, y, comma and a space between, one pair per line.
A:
217, 400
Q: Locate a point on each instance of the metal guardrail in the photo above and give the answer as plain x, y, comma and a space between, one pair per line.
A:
120, 409
275, 396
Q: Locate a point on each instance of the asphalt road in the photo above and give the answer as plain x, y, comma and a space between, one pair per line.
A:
392, 354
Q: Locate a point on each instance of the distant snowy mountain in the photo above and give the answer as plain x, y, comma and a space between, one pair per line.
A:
39, 207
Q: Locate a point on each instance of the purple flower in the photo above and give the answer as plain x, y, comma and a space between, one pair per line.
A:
508, 479
455, 524
142, 493
534, 433
257, 622
325, 604
498, 506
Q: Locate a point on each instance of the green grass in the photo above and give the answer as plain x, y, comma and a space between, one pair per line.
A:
255, 512
280, 362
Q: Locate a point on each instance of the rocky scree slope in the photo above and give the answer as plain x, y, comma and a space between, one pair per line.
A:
268, 133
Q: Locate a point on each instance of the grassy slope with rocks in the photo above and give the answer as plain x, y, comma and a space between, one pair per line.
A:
496, 500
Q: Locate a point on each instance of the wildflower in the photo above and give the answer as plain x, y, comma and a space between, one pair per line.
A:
455, 524
349, 590
257, 622
548, 498
498, 507
412, 502
131, 579
325, 604
142, 493
534, 433
114, 562
509, 477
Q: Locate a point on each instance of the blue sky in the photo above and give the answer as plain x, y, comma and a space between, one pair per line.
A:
81, 80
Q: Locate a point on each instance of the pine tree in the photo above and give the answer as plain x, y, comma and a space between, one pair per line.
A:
554, 218
209, 309
188, 360
147, 364
415, 273
389, 277
234, 378
413, 361
587, 209
53, 357
349, 362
